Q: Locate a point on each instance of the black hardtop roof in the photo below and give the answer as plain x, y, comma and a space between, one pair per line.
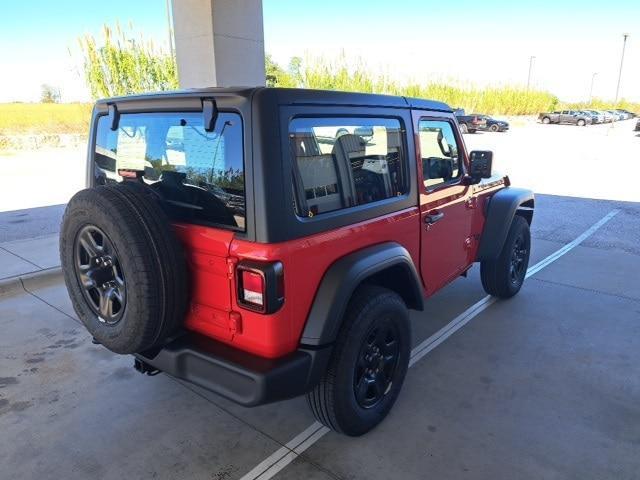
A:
292, 96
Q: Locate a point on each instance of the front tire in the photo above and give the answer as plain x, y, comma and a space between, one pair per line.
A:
464, 128
581, 123
504, 276
494, 128
368, 364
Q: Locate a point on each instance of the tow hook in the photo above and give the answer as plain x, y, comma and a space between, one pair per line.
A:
144, 368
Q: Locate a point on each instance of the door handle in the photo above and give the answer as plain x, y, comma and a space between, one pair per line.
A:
432, 218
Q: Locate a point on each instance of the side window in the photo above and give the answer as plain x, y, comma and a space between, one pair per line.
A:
439, 152
343, 162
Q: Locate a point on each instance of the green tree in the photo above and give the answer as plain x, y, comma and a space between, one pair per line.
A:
295, 69
276, 75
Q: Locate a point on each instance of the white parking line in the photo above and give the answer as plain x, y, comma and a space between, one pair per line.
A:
288, 453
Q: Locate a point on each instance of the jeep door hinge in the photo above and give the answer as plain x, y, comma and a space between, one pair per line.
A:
231, 267
235, 323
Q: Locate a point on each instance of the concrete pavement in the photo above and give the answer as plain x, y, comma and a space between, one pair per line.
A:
542, 386
28, 258
30, 223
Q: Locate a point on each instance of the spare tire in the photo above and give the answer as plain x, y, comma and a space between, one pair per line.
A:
124, 267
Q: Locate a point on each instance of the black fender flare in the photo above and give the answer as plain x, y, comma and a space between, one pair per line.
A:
501, 209
390, 260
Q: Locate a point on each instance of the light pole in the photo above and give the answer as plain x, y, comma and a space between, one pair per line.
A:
531, 59
624, 45
593, 78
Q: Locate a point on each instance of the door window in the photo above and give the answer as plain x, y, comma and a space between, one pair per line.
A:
441, 160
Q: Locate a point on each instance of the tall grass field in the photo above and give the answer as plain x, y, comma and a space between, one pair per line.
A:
121, 67
44, 118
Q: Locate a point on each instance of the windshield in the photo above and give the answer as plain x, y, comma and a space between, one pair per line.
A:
198, 174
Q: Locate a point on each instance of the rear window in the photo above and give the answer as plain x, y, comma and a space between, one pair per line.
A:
344, 162
198, 174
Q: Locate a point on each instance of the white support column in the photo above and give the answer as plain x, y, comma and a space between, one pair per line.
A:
219, 43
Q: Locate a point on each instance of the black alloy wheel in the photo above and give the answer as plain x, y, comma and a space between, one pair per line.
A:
519, 258
504, 276
377, 363
99, 274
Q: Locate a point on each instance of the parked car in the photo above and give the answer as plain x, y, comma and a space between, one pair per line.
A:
494, 125
469, 123
596, 117
608, 117
574, 117
301, 281
626, 115
617, 116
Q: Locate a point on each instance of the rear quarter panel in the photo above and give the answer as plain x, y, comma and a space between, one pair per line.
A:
305, 262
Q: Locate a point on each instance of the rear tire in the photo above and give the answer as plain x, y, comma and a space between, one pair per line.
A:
368, 364
123, 267
504, 276
464, 128
546, 120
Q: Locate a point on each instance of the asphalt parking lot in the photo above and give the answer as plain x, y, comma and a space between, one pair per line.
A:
545, 385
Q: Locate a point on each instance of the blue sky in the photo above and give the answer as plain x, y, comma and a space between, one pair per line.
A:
479, 42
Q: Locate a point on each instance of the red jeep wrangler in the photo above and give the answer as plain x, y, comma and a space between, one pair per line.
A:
267, 243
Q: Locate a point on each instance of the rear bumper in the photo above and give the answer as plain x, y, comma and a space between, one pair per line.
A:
244, 378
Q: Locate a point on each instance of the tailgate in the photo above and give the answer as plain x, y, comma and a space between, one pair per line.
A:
207, 251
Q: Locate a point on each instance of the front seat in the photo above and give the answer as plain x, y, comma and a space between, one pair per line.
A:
346, 148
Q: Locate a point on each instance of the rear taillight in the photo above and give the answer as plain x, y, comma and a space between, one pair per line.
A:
252, 288
260, 286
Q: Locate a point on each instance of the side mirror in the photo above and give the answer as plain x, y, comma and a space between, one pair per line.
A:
480, 164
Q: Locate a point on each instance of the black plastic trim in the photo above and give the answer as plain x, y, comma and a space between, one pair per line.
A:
344, 276
114, 117
243, 378
501, 209
209, 114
